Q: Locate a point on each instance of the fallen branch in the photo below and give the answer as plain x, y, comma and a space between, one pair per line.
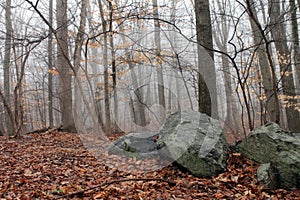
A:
47, 130
38, 131
106, 184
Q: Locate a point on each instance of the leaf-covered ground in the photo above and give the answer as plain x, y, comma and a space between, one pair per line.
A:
57, 166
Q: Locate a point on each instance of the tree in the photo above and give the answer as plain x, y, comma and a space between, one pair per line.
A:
221, 37
272, 108
157, 38
114, 68
278, 33
79, 39
295, 36
50, 65
207, 95
7, 58
65, 73
105, 63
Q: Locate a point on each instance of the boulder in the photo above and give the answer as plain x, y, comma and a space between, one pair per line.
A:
195, 142
136, 145
266, 175
277, 147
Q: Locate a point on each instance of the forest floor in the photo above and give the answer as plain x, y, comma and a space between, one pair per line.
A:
58, 166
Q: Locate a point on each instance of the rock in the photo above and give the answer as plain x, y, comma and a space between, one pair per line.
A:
272, 144
195, 142
266, 175
138, 145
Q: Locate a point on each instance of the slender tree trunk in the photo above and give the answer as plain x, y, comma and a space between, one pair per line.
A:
105, 63
207, 90
50, 66
77, 59
221, 42
80, 35
18, 94
279, 35
95, 70
137, 103
267, 69
116, 128
157, 38
295, 35
6, 66
65, 77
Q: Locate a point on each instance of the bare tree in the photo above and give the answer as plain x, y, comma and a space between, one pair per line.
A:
65, 73
266, 68
157, 38
283, 54
80, 36
7, 63
221, 40
105, 63
295, 36
207, 98
50, 66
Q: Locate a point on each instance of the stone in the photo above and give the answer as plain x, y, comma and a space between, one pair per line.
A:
281, 148
195, 142
136, 145
266, 175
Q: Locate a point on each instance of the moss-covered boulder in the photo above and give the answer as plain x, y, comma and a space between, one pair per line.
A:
195, 142
280, 150
136, 145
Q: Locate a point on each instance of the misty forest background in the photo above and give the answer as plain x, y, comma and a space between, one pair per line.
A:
130, 64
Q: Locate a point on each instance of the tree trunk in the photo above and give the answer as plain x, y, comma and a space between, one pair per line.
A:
116, 128
65, 77
272, 103
77, 65
157, 38
50, 66
18, 92
221, 42
97, 89
80, 35
6, 65
105, 63
283, 54
207, 91
296, 46
136, 101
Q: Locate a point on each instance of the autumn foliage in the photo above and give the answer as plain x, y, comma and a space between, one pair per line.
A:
57, 166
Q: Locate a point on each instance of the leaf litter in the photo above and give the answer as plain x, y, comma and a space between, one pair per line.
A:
57, 166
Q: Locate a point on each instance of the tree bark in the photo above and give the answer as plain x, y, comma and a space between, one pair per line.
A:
278, 33
65, 77
296, 45
207, 91
6, 65
157, 38
272, 103
50, 66
116, 128
77, 59
80, 35
221, 42
105, 63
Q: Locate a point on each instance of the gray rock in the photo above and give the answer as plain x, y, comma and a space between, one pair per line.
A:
266, 175
195, 142
272, 144
138, 145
